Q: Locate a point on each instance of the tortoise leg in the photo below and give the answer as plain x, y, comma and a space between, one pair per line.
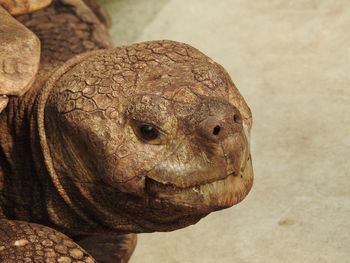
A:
27, 242
18, 7
19, 56
110, 248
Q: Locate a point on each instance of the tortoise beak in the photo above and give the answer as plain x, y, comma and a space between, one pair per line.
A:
207, 197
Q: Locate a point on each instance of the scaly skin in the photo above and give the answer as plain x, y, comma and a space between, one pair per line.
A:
75, 156
19, 7
19, 57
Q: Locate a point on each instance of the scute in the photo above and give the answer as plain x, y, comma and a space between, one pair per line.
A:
19, 57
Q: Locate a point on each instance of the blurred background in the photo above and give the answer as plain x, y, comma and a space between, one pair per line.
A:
291, 62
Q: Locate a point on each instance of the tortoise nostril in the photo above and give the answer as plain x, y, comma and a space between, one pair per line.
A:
236, 119
216, 130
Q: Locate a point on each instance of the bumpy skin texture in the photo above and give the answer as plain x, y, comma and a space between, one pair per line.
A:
148, 137
19, 7
25, 242
19, 57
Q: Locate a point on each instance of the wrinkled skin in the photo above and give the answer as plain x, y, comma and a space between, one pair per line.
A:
19, 57
188, 171
148, 137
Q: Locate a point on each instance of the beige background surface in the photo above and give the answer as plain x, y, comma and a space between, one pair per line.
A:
291, 61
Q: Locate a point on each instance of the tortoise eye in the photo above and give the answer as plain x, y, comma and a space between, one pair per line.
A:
148, 132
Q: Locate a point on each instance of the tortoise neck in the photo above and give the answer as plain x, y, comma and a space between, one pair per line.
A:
27, 191
20, 187
64, 30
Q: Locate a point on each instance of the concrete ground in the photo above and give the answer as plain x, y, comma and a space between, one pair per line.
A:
291, 61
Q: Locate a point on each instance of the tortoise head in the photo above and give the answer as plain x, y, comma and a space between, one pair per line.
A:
152, 137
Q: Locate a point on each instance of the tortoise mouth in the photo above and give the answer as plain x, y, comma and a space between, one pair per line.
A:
155, 188
206, 197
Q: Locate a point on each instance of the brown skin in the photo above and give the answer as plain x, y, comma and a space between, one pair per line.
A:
19, 7
19, 57
148, 137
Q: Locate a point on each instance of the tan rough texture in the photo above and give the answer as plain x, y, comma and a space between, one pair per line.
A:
147, 137
18, 7
19, 56
23, 242
122, 90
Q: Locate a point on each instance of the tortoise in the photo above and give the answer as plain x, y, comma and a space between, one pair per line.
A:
99, 143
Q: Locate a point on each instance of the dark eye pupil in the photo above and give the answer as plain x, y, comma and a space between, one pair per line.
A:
148, 132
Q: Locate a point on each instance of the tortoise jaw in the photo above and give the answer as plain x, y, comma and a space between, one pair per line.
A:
207, 197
